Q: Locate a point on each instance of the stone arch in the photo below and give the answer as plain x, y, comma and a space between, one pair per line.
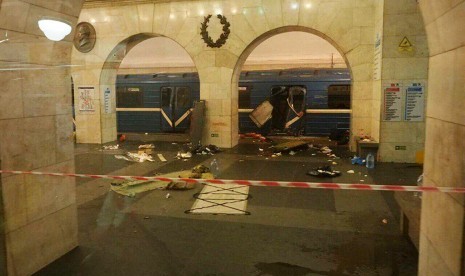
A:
264, 36
105, 80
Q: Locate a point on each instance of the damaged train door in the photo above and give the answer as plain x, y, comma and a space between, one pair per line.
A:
288, 109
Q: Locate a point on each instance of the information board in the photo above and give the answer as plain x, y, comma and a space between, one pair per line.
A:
107, 100
414, 102
86, 99
392, 110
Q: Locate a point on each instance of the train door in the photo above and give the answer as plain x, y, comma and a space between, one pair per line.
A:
288, 109
175, 109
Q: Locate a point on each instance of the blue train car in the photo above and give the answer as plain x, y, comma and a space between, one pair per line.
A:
309, 102
323, 96
155, 103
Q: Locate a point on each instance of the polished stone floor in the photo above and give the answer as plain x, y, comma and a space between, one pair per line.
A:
290, 231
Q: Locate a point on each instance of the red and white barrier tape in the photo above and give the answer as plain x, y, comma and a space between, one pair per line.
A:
288, 184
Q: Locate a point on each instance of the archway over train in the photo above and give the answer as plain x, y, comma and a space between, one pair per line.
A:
156, 83
140, 113
298, 81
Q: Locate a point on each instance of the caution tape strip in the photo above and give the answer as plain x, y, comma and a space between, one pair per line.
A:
288, 184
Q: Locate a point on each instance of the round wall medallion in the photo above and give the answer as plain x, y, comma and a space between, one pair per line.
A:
223, 37
84, 37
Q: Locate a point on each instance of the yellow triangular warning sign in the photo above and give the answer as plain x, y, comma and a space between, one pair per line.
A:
405, 43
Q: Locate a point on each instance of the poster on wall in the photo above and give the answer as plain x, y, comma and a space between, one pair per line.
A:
107, 100
414, 102
392, 108
86, 99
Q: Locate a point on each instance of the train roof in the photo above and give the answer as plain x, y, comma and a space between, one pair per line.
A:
274, 75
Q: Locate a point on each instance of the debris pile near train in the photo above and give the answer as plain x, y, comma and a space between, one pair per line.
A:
135, 157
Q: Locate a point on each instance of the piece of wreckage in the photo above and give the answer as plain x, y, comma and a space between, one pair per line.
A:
133, 187
285, 108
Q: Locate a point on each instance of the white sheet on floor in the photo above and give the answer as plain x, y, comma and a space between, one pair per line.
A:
230, 199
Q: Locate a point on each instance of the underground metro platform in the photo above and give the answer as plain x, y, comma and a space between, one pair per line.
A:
387, 46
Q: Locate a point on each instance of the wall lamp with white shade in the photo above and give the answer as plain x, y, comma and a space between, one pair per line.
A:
54, 29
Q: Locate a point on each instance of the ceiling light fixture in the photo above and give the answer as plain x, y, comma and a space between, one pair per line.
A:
53, 29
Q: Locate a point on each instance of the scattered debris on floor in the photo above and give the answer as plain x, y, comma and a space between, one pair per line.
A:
131, 188
184, 155
324, 171
357, 160
198, 172
135, 157
350, 171
210, 149
111, 147
254, 135
180, 185
147, 146
262, 113
168, 195
121, 137
385, 221
290, 145
341, 137
162, 158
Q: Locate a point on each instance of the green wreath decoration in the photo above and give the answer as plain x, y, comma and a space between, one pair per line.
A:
223, 37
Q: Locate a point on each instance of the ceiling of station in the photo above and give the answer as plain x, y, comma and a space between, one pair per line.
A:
106, 3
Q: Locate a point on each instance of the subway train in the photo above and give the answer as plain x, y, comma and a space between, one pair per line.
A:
314, 102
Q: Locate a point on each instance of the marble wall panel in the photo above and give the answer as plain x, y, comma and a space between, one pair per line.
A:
327, 12
366, 35
58, 234
11, 100
187, 34
350, 40
13, 146
388, 152
273, 14
255, 16
47, 194
161, 18
64, 137
14, 187
448, 26
446, 248
69, 7
235, 45
363, 54
40, 140
448, 137
13, 15
362, 108
447, 80
145, 17
360, 19
290, 10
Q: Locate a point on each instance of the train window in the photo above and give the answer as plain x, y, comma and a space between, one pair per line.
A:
183, 97
339, 97
130, 97
244, 97
166, 94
